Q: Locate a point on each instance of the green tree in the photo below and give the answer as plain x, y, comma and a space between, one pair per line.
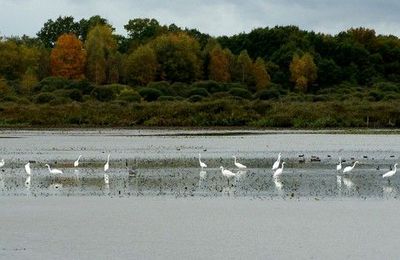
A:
178, 56
51, 30
86, 25
141, 66
245, 67
101, 47
303, 71
143, 29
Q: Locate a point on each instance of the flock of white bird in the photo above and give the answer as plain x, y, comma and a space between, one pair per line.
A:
277, 168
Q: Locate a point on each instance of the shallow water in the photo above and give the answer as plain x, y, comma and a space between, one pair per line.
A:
166, 164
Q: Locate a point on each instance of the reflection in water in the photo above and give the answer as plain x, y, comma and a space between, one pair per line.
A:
389, 190
2, 185
241, 174
278, 184
193, 182
28, 182
76, 172
55, 186
348, 183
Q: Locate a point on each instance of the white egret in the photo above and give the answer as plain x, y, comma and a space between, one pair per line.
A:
339, 166
107, 165
239, 165
276, 163
53, 171
279, 171
227, 173
28, 168
76, 163
350, 168
390, 173
106, 179
1, 163
202, 164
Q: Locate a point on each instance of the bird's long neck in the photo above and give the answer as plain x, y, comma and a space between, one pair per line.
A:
235, 158
48, 166
108, 158
354, 165
395, 167
199, 158
282, 165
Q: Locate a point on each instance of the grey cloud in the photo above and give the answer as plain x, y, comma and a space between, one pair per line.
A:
216, 17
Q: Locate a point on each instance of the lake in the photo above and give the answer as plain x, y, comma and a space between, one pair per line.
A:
171, 208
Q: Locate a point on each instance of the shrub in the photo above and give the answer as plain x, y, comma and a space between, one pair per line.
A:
103, 93
59, 101
162, 86
166, 98
43, 98
129, 95
82, 85
50, 84
181, 89
268, 94
195, 98
198, 92
239, 92
150, 94
209, 85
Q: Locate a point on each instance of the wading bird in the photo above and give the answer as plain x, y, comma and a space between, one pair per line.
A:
227, 173
279, 171
76, 163
202, 164
339, 166
107, 165
350, 168
1, 163
390, 173
28, 168
276, 163
239, 165
53, 171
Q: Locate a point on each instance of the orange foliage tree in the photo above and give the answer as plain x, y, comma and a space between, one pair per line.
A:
67, 59
219, 65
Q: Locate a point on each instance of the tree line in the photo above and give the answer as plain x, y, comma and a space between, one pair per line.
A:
282, 56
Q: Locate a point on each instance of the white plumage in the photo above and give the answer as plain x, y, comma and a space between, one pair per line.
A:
390, 173
276, 163
279, 171
54, 171
350, 168
239, 165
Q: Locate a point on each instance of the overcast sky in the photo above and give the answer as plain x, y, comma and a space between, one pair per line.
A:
216, 17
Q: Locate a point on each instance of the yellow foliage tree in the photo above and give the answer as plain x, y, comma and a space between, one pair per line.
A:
260, 73
68, 57
303, 71
141, 66
28, 81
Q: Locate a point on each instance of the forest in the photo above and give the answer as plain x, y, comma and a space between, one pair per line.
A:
83, 74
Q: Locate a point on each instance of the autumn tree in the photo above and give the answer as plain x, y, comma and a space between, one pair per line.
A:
219, 65
101, 47
141, 66
85, 25
178, 56
28, 81
68, 57
303, 71
260, 73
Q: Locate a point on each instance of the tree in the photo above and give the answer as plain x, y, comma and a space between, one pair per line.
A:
303, 71
68, 57
245, 66
143, 29
101, 47
219, 65
86, 25
261, 76
179, 57
141, 66
28, 81
10, 65
52, 30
